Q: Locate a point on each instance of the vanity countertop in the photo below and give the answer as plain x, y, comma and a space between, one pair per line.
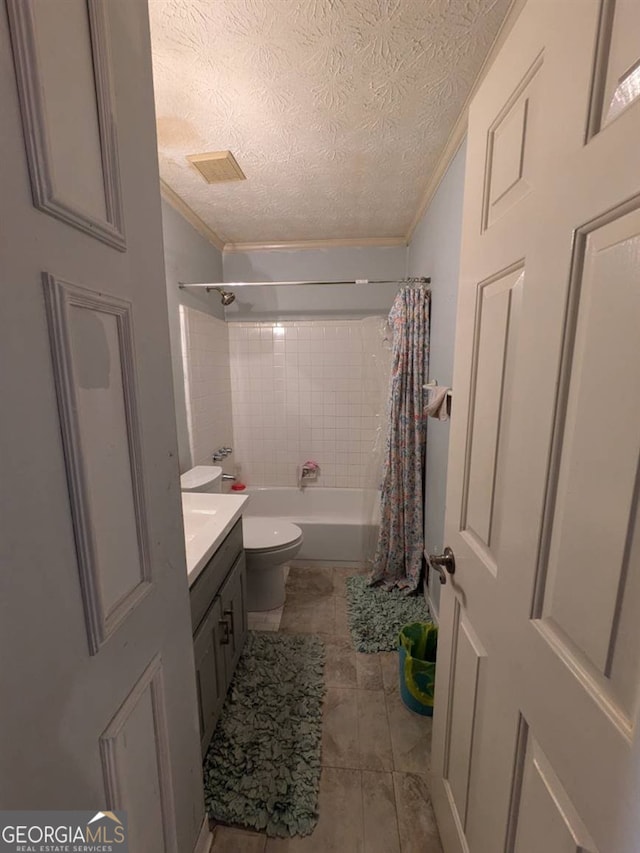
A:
207, 520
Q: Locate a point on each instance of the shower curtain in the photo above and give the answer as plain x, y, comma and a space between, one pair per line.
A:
376, 370
398, 558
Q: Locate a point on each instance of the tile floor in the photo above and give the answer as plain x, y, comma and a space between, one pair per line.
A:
374, 795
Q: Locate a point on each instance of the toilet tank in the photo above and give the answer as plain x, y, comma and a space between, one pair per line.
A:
202, 478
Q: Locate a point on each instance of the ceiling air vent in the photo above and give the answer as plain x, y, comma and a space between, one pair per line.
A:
217, 166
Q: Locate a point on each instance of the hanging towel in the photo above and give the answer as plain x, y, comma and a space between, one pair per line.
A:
437, 405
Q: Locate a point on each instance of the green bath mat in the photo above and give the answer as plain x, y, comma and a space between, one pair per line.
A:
376, 616
262, 769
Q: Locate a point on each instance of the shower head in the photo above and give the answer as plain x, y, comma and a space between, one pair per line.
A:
226, 297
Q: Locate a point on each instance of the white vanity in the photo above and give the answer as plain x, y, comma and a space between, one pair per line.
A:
217, 582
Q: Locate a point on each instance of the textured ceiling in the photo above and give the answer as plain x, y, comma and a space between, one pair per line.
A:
336, 110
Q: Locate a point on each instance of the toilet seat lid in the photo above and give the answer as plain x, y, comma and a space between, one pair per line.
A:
200, 478
261, 534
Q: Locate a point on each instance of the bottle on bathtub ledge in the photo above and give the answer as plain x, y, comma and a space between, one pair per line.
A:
308, 473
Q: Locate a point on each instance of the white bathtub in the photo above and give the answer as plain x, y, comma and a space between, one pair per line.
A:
337, 523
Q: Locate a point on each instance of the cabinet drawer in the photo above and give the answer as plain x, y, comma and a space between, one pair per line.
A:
206, 586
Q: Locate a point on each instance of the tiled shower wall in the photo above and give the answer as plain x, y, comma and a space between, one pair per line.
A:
207, 379
308, 390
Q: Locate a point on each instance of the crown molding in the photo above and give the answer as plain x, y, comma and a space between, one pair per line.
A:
459, 131
193, 219
190, 215
351, 242
455, 140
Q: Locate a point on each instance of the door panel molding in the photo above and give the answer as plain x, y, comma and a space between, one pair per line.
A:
539, 804
114, 752
492, 356
505, 179
522, 739
593, 683
458, 749
101, 616
42, 167
625, 93
600, 64
564, 381
607, 665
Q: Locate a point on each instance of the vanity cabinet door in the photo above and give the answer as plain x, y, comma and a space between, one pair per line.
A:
234, 611
209, 644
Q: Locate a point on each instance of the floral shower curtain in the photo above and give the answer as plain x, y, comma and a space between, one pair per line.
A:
398, 558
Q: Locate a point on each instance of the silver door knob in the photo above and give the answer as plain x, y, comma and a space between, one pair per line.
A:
443, 561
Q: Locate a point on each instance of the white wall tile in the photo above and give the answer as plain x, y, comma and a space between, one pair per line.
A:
307, 390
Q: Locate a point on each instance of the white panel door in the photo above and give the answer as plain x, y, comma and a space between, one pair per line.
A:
537, 696
98, 690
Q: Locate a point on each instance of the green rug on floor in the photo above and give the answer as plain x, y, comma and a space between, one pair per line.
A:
376, 616
262, 769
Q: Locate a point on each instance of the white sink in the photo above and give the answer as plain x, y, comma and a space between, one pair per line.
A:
207, 519
195, 519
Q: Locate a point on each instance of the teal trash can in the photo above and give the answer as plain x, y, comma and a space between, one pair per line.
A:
417, 647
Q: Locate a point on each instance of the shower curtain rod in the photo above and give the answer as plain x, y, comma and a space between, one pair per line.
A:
225, 284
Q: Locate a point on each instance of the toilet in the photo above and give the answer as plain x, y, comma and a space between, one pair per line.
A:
269, 543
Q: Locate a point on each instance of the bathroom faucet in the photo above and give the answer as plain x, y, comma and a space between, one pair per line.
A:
221, 453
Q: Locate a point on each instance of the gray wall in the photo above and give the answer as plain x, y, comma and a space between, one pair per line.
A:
188, 257
336, 264
435, 251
